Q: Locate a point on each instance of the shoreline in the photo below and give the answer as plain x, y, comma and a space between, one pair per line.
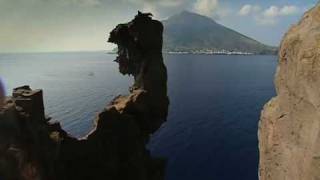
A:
198, 53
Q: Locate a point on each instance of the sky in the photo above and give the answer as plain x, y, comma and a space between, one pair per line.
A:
84, 25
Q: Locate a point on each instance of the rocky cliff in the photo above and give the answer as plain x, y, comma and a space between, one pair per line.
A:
34, 148
289, 130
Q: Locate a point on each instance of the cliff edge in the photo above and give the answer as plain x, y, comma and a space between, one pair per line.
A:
289, 130
34, 148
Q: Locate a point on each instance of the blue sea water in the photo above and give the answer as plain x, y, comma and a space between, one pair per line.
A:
211, 132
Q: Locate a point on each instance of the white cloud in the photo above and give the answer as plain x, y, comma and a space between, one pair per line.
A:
249, 9
158, 7
206, 7
245, 10
89, 2
289, 10
82, 3
171, 3
148, 7
164, 3
270, 15
272, 11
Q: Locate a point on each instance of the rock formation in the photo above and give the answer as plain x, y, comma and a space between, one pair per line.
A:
34, 148
289, 130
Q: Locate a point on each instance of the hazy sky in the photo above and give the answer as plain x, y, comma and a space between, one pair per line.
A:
76, 25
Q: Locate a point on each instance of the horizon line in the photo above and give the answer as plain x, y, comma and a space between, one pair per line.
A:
58, 51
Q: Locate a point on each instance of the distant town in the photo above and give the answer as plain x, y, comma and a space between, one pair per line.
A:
210, 52
204, 51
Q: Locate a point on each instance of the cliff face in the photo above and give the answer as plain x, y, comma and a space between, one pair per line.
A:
289, 131
32, 148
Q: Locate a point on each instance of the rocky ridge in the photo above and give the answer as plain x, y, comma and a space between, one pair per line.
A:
34, 148
289, 130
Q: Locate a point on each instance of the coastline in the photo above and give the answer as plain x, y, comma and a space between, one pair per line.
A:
209, 53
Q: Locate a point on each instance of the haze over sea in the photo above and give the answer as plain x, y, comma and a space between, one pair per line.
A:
211, 132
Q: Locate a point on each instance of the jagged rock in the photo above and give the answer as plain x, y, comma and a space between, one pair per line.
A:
33, 148
27, 152
289, 130
30, 101
140, 54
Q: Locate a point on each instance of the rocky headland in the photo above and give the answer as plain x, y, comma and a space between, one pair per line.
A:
289, 130
33, 147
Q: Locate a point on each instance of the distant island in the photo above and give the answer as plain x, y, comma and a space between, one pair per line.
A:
191, 33
208, 52
203, 51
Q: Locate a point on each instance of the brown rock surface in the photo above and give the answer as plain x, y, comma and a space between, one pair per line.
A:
289, 130
32, 148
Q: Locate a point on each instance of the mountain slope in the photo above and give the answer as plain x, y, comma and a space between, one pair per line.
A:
189, 31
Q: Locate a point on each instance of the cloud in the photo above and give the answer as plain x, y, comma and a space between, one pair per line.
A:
249, 9
164, 3
82, 3
89, 2
171, 3
159, 8
206, 7
270, 15
148, 7
245, 10
272, 11
289, 10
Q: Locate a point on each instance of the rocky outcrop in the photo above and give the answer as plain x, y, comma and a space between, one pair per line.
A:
289, 130
34, 148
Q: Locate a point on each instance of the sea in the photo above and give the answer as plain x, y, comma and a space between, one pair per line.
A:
215, 104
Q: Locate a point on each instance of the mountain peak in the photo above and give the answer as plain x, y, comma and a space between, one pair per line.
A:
186, 12
189, 16
191, 13
191, 31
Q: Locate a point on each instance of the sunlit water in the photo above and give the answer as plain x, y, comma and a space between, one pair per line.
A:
211, 132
